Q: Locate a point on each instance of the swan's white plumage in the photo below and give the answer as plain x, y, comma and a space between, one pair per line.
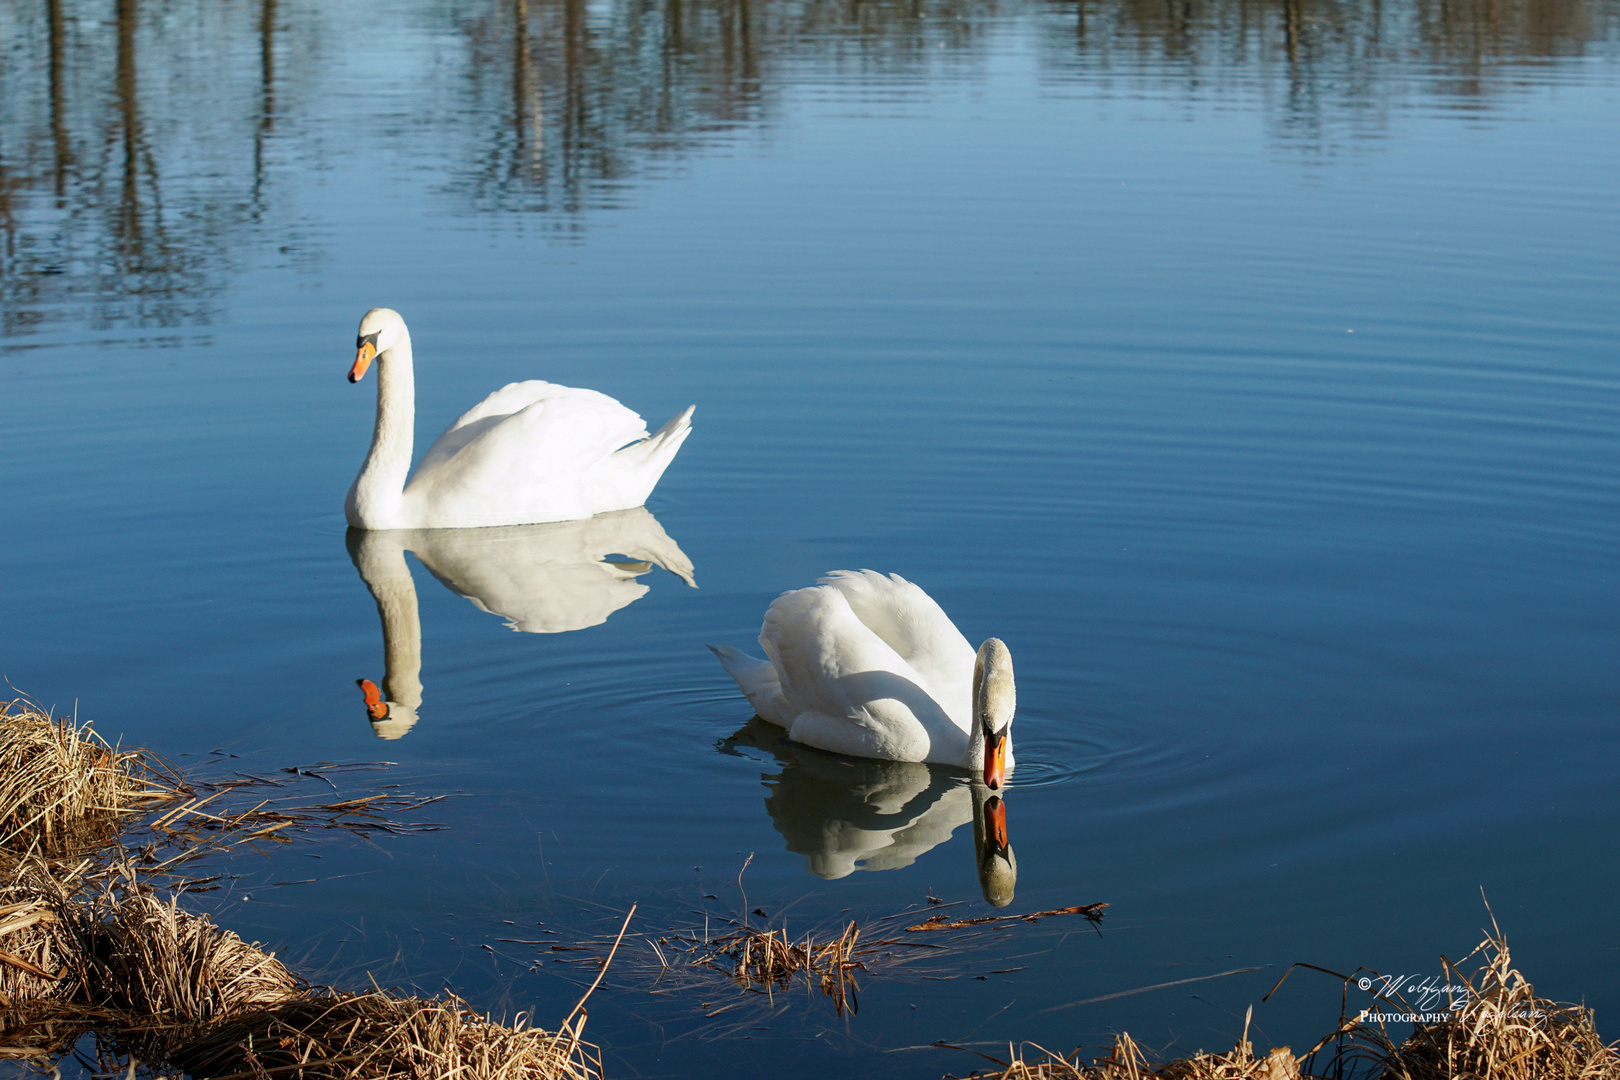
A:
530, 452
867, 665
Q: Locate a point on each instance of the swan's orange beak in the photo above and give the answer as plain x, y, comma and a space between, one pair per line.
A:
995, 760
376, 707
995, 822
362, 361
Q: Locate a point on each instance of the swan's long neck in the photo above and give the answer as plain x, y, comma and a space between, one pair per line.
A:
995, 697
376, 501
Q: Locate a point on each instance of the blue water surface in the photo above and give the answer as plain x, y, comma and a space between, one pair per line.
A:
1253, 377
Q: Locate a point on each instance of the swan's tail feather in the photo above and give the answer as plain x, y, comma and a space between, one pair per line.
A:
758, 681
642, 463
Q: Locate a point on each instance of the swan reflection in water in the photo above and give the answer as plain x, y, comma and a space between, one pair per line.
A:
542, 579
846, 814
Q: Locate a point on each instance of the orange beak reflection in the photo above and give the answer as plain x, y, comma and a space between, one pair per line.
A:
362, 361
376, 707
995, 822
995, 760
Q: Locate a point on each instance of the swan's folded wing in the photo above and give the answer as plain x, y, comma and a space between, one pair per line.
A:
909, 621
624, 424
861, 696
525, 466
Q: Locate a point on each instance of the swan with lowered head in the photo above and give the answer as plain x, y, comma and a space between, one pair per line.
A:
530, 452
870, 666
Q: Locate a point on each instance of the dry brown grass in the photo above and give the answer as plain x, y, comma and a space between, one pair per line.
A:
1502, 1031
1126, 1061
103, 953
168, 985
88, 947
65, 793
377, 1036
156, 960
767, 961
44, 933
327, 1035
63, 789
1494, 1027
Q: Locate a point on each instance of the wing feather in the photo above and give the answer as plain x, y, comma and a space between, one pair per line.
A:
911, 623
626, 425
855, 694
531, 461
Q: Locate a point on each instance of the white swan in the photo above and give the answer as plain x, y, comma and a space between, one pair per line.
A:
530, 452
869, 666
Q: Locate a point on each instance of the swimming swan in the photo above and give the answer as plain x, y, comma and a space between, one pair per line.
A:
530, 452
869, 666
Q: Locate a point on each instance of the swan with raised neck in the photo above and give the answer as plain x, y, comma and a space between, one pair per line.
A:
376, 498
529, 453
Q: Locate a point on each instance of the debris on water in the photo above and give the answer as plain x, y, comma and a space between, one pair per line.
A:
1093, 913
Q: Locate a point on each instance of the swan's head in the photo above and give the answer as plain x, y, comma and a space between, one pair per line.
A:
380, 330
998, 867
994, 699
389, 719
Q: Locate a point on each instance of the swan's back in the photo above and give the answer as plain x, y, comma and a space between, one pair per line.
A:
530, 452
846, 685
911, 623
600, 424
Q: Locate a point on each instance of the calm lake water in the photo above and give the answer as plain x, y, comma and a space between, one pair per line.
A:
1250, 368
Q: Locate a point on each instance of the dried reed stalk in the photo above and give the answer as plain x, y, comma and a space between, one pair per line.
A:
837, 964
201, 826
1092, 912
63, 789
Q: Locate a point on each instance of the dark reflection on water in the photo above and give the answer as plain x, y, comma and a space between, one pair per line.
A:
136, 141
124, 197
542, 579
1330, 69
573, 98
846, 814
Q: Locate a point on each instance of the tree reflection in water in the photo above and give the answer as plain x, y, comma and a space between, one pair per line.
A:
137, 137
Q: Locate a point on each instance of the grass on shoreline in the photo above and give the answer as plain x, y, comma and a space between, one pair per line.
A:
1497, 1029
63, 789
88, 947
